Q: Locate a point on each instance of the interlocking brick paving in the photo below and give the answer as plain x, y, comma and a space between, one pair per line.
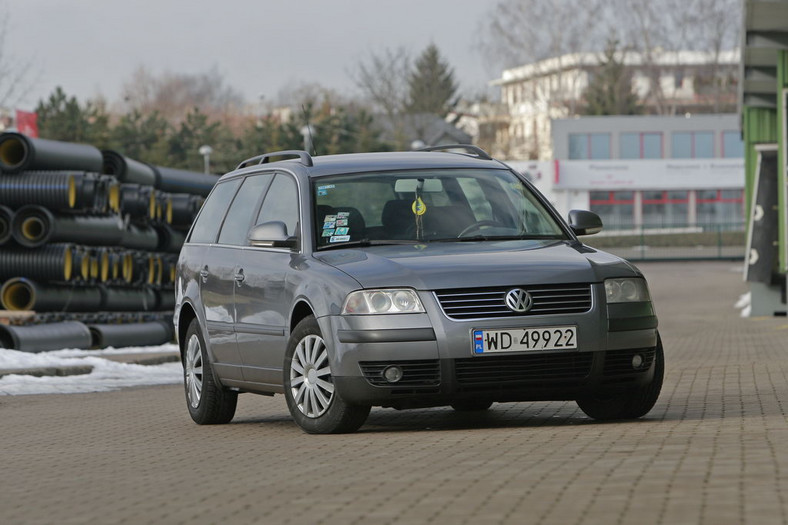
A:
714, 450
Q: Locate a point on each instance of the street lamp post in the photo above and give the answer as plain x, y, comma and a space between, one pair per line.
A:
206, 151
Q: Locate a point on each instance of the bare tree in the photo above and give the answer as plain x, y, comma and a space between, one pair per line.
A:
524, 31
661, 28
15, 73
174, 95
383, 78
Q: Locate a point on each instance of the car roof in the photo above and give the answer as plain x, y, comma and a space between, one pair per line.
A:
364, 162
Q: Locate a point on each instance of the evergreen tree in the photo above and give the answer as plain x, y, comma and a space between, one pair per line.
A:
610, 90
431, 84
63, 118
142, 137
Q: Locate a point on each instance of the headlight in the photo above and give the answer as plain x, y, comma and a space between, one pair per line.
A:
626, 291
365, 302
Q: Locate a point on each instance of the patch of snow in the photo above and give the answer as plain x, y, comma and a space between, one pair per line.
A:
106, 375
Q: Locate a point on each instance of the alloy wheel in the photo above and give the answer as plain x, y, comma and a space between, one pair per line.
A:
194, 371
310, 377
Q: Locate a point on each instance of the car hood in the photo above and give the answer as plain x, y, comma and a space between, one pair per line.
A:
438, 266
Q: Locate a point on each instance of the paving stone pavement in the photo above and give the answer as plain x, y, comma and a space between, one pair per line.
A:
713, 451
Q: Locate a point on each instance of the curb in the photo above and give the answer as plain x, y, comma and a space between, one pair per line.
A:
74, 370
48, 371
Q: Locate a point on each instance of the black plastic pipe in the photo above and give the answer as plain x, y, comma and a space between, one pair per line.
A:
165, 299
131, 334
6, 218
53, 189
35, 226
115, 299
21, 293
45, 337
170, 240
138, 202
128, 170
184, 209
53, 262
142, 237
20, 153
181, 181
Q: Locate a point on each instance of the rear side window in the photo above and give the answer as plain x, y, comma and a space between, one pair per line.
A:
239, 218
206, 227
281, 203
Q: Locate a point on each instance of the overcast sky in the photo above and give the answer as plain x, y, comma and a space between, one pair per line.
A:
91, 47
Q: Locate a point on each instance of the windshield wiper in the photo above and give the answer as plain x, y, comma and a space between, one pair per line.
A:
369, 242
476, 238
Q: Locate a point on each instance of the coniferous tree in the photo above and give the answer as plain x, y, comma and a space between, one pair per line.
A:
610, 90
431, 84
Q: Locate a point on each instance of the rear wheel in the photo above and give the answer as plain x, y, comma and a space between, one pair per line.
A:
207, 401
311, 397
629, 405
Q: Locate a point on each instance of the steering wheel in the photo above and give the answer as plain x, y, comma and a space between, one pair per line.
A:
478, 226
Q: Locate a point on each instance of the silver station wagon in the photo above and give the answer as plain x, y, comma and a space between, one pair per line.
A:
409, 279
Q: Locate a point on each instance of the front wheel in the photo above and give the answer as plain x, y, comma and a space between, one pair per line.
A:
207, 401
629, 405
311, 395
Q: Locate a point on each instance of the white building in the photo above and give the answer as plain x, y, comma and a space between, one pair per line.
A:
646, 170
668, 83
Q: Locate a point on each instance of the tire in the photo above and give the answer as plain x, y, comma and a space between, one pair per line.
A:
207, 401
471, 405
312, 399
630, 405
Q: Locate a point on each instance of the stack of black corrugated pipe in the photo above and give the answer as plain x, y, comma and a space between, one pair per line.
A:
88, 242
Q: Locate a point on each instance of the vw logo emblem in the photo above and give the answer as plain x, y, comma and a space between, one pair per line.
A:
518, 300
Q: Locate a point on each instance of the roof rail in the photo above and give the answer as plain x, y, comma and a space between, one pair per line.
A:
304, 157
469, 148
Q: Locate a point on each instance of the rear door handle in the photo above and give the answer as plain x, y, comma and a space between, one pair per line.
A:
239, 276
204, 274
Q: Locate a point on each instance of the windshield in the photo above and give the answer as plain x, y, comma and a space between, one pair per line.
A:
428, 206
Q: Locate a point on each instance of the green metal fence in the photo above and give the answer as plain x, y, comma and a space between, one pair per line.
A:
662, 243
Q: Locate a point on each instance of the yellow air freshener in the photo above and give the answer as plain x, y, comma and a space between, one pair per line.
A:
418, 207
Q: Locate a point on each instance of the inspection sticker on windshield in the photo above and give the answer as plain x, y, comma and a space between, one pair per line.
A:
524, 339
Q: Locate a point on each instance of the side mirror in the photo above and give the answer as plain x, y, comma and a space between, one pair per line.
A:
584, 222
271, 234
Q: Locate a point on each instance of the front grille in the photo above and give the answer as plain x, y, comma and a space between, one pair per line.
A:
619, 362
416, 373
485, 303
497, 371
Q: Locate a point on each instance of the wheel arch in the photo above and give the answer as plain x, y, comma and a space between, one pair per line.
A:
185, 317
301, 310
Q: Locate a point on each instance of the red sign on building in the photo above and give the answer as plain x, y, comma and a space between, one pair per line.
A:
27, 123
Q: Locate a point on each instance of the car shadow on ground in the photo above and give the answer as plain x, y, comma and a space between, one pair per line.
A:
499, 416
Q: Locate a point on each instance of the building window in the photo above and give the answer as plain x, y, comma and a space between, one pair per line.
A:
665, 208
615, 208
720, 206
589, 146
692, 145
732, 145
640, 145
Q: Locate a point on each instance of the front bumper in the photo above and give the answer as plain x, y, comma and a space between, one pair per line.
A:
439, 367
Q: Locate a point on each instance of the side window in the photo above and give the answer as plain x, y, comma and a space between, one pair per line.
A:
281, 203
210, 219
239, 218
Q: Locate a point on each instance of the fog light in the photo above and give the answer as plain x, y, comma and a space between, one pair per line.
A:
637, 361
392, 374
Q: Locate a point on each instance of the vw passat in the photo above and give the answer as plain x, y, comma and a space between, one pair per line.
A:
411, 279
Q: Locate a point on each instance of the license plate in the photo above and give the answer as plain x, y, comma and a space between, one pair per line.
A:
524, 339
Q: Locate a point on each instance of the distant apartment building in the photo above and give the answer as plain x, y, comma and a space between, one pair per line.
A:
669, 83
653, 171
